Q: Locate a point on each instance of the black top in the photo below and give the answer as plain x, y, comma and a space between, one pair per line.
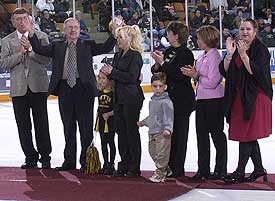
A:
248, 84
179, 86
105, 104
126, 74
105, 101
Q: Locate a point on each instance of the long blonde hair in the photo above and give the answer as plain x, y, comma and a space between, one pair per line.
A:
135, 35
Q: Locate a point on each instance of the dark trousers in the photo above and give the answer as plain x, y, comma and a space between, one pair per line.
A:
129, 146
246, 150
210, 119
23, 105
108, 139
179, 144
75, 105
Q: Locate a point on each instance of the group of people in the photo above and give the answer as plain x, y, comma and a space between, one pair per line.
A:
245, 101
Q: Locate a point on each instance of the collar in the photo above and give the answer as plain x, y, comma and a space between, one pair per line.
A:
206, 54
163, 95
20, 35
75, 42
107, 90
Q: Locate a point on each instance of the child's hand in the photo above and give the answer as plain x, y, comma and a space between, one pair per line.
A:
166, 133
140, 123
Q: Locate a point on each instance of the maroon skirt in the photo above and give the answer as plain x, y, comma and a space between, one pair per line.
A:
260, 124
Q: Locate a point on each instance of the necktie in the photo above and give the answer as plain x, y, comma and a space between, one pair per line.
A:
71, 65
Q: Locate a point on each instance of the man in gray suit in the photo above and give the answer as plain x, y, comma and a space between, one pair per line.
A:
28, 89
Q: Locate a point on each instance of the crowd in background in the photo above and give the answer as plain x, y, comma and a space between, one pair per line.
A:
232, 13
200, 12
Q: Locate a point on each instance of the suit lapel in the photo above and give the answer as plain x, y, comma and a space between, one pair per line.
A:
78, 51
63, 49
15, 42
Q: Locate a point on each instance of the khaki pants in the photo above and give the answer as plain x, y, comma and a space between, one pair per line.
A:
159, 149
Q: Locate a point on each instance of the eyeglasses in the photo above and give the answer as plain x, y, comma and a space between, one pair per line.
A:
21, 19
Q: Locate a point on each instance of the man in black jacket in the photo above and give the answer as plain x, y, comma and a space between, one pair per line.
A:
73, 81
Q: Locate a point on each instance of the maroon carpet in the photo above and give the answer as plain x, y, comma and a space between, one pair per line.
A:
218, 184
37, 184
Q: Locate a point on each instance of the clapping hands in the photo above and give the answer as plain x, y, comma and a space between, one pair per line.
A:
157, 56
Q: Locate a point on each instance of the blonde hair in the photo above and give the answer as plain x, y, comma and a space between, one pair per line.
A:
133, 32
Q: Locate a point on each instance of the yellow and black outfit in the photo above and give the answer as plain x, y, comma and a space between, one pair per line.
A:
106, 129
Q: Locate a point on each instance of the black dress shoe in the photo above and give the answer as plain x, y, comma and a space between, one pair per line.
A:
235, 177
110, 170
256, 174
118, 173
216, 176
104, 168
29, 165
46, 165
132, 174
198, 177
65, 168
82, 169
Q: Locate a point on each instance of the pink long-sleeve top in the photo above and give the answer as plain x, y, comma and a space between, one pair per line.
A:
209, 85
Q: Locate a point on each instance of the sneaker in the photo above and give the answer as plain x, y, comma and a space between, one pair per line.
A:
157, 179
169, 172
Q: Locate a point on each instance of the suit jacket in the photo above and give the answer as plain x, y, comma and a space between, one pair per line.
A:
19, 65
126, 74
85, 49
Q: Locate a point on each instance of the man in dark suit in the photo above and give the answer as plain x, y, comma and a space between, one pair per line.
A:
73, 81
28, 89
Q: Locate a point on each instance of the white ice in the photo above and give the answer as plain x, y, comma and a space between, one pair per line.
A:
12, 155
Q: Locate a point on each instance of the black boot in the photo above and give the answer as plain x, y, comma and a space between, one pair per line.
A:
235, 177
199, 177
217, 175
258, 165
256, 174
220, 143
104, 168
111, 169
245, 150
259, 170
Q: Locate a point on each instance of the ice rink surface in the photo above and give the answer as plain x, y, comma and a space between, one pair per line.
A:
12, 155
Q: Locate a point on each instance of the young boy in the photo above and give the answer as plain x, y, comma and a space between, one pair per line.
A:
160, 123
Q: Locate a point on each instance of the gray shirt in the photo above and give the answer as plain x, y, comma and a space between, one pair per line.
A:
161, 114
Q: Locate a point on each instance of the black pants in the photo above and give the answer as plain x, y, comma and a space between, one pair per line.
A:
179, 144
210, 119
246, 150
75, 105
37, 103
129, 146
108, 139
